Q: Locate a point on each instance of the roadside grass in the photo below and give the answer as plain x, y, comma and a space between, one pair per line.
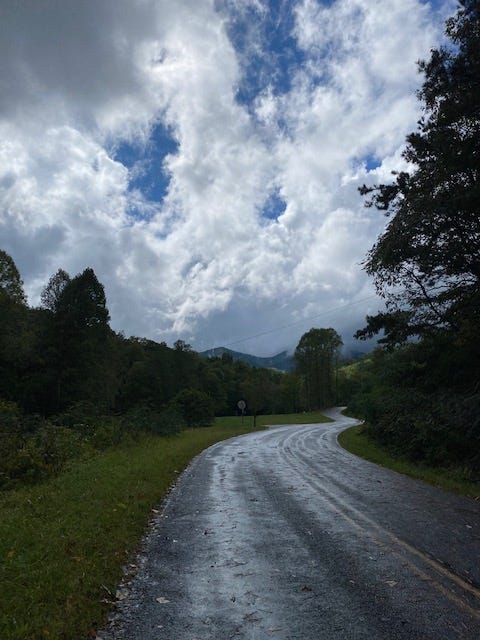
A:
311, 417
64, 542
290, 418
357, 441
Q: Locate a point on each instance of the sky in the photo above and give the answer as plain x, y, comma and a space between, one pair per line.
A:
204, 156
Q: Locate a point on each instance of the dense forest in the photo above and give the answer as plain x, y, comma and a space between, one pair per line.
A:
69, 382
420, 393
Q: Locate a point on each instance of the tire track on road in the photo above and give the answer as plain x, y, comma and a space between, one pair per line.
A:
293, 449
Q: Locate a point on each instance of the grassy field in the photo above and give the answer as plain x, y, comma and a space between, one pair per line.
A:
63, 543
356, 441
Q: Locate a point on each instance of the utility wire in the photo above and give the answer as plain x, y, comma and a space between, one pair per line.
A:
292, 324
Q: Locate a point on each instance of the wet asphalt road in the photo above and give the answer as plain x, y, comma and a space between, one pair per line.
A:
282, 534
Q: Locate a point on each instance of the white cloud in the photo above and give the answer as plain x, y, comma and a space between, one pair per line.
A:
78, 78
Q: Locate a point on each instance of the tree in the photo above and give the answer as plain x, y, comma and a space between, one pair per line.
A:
316, 356
11, 285
184, 366
290, 393
427, 263
147, 375
212, 380
82, 304
182, 346
83, 343
260, 391
14, 335
195, 407
53, 290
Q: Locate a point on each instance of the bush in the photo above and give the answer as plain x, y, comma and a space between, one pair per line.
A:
196, 407
10, 417
97, 430
26, 458
15, 458
80, 416
32, 449
144, 419
167, 422
438, 429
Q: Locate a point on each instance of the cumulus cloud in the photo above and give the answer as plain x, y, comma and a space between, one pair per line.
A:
307, 121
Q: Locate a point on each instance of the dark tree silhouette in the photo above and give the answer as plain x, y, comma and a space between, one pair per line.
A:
316, 357
427, 263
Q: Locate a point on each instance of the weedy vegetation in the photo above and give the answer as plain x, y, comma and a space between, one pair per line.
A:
455, 479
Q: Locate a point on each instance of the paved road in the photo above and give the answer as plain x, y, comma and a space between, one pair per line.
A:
281, 534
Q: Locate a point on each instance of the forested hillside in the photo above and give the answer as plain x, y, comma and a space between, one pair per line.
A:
421, 393
69, 383
282, 361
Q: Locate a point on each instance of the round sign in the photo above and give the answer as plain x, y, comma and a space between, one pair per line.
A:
241, 404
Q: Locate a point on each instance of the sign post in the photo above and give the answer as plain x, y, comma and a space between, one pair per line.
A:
241, 404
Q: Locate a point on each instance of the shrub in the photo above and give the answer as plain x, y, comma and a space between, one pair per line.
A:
144, 419
438, 429
167, 422
196, 407
26, 458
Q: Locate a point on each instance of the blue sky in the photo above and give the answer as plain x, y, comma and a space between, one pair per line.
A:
272, 64
204, 157
145, 162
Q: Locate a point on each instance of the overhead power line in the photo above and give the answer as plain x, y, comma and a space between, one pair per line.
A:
294, 323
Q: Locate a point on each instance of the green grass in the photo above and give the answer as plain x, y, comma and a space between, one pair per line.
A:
293, 418
63, 543
357, 441
290, 418
60, 541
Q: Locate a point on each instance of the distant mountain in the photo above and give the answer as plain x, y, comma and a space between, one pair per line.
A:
354, 354
282, 361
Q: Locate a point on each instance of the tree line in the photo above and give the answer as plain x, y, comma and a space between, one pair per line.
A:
67, 379
420, 393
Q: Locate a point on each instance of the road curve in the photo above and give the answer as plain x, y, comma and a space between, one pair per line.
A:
282, 534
